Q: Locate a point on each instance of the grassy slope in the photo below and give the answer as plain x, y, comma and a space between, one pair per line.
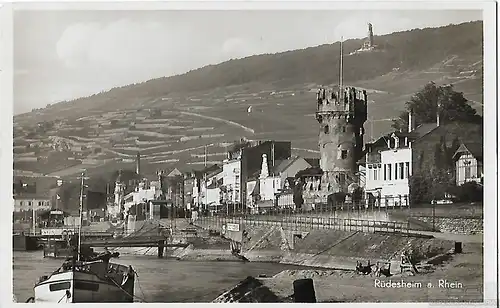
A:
225, 91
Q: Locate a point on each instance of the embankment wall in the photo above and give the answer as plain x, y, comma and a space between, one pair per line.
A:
316, 248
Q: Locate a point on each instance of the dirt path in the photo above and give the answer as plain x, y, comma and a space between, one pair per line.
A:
464, 238
342, 286
248, 129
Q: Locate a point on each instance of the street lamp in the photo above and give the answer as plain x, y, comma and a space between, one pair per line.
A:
434, 215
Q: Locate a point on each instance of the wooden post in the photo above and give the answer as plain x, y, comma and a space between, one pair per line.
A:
304, 291
160, 248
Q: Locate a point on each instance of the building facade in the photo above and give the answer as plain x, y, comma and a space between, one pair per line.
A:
394, 172
232, 180
469, 163
387, 168
30, 202
248, 155
211, 194
431, 147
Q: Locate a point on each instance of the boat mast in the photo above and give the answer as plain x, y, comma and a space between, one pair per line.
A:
81, 216
205, 177
34, 217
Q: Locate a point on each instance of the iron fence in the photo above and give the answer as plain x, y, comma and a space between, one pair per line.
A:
363, 214
304, 223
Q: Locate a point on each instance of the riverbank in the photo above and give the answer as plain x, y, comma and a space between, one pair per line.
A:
323, 248
461, 279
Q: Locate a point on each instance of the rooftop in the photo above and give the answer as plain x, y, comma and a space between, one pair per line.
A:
476, 149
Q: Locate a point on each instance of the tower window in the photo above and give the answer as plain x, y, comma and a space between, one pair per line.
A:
343, 129
327, 129
342, 179
343, 154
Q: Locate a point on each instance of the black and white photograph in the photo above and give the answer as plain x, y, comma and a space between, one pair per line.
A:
250, 152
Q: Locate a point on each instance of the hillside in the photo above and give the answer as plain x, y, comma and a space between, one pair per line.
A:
170, 119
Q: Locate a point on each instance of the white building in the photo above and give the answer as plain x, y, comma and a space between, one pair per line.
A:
29, 202
469, 163
210, 193
395, 171
144, 193
262, 191
231, 180
387, 170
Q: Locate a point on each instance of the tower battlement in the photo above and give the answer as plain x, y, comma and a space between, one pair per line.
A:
351, 102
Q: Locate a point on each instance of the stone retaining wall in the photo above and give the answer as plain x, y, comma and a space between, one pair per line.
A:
455, 225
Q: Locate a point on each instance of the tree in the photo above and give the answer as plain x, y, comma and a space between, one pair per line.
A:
453, 107
469, 192
427, 186
438, 156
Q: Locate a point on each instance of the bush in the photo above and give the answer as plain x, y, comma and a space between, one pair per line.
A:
428, 186
469, 192
420, 253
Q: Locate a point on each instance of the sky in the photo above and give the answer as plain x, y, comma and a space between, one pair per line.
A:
61, 55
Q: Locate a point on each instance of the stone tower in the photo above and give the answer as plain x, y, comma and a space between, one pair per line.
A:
341, 115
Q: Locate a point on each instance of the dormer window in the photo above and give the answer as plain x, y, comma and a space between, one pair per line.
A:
396, 141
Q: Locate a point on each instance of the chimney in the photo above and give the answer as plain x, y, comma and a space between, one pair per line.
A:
138, 164
410, 121
272, 158
437, 114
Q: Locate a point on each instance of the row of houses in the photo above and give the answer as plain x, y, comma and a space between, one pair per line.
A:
253, 173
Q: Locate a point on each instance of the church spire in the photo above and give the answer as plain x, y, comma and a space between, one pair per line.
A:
264, 170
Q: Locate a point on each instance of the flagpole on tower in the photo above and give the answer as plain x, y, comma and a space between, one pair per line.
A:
341, 73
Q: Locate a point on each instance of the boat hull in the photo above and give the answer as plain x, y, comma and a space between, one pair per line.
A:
86, 287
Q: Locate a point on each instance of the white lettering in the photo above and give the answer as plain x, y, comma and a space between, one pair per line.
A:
445, 284
396, 284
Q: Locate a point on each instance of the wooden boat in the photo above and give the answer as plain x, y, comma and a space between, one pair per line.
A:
86, 277
93, 281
